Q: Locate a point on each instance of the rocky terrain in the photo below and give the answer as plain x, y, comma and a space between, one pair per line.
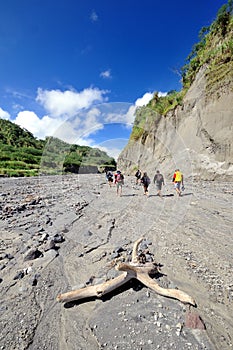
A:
64, 233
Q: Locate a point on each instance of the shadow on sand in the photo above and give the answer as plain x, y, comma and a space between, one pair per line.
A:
132, 284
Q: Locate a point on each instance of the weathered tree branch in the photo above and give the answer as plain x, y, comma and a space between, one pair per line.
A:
166, 292
135, 250
95, 291
133, 269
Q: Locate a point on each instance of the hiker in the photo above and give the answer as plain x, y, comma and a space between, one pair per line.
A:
145, 180
119, 181
178, 180
159, 181
138, 176
106, 173
109, 176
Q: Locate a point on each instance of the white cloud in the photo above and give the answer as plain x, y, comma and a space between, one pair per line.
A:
130, 115
75, 117
40, 128
67, 103
94, 17
106, 74
162, 94
4, 114
143, 101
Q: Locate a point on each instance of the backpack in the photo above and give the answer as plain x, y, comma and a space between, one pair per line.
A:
159, 178
119, 177
146, 180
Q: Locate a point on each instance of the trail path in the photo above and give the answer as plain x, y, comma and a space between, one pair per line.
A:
191, 238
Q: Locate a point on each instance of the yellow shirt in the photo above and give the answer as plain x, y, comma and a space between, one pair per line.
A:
178, 177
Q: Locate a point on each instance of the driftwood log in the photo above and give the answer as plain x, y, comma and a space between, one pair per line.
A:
138, 268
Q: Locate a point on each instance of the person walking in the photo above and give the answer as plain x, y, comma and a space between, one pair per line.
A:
110, 178
178, 180
138, 176
159, 182
145, 180
119, 181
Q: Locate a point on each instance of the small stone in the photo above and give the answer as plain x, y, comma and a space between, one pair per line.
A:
19, 275
193, 320
9, 256
32, 254
118, 250
58, 238
43, 237
49, 245
34, 280
114, 256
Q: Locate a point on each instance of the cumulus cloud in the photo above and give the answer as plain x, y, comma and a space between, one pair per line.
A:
160, 94
4, 114
144, 100
76, 117
128, 117
40, 128
69, 114
59, 103
106, 74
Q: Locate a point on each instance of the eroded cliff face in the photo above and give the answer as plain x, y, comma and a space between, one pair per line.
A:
195, 137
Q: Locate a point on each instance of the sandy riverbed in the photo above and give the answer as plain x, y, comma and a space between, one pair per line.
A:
61, 233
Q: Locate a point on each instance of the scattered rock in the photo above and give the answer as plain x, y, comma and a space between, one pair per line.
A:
193, 320
59, 241
32, 254
58, 238
19, 275
50, 244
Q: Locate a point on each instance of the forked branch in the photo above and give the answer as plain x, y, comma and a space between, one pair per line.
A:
134, 269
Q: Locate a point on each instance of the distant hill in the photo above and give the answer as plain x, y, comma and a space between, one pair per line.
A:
21, 154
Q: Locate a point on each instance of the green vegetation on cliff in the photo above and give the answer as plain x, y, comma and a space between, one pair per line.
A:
215, 51
21, 154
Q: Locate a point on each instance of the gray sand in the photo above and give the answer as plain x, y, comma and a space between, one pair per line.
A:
63, 233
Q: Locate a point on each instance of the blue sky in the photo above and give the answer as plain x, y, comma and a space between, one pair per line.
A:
77, 69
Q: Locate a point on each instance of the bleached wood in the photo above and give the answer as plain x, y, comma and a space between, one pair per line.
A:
135, 250
133, 269
95, 291
166, 292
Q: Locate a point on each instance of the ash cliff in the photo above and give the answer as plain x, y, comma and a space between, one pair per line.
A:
192, 129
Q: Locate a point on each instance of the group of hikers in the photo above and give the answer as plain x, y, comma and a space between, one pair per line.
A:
143, 179
117, 179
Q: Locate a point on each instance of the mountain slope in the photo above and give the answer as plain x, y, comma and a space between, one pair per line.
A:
21, 154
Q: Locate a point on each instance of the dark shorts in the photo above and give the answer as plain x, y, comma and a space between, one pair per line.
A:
177, 184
